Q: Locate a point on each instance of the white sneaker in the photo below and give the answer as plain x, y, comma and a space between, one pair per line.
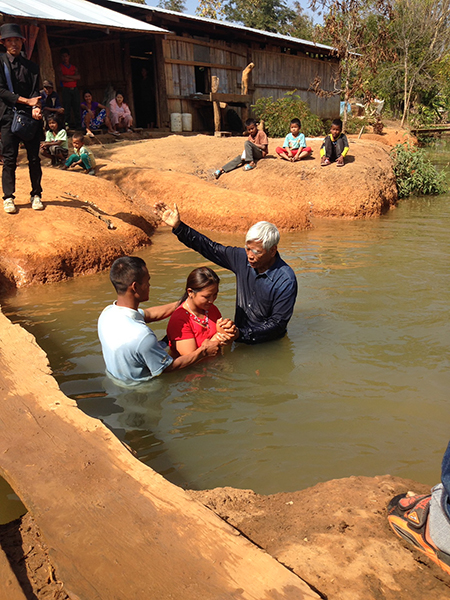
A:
9, 206
36, 203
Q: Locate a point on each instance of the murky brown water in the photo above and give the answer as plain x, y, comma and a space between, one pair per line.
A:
358, 387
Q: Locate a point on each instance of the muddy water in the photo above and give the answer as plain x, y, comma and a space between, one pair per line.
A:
358, 387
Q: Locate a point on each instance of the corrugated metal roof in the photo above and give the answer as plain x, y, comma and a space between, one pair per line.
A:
260, 32
74, 11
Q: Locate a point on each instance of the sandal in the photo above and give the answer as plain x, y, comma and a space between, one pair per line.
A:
325, 162
217, 173
408, 518
249, 167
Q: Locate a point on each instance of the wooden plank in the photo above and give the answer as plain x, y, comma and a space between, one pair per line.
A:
10, 588
244, 98
208, 44
216, 107
115, 529
193, 63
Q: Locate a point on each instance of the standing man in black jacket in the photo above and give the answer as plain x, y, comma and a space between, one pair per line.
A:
266, 286
24, 77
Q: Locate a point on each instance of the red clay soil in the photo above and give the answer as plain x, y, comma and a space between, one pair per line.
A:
334, 535
90, 221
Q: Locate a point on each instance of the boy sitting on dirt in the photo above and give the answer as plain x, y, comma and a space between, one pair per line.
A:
82, 155
335, 146
55, 146
294, 146
255, 148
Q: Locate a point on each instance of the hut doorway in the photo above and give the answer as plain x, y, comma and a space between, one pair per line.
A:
144, 84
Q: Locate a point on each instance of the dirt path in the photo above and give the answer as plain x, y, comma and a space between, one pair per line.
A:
90, 221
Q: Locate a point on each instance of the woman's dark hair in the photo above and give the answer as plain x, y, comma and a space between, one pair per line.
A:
199, 279
119, 92
125, 271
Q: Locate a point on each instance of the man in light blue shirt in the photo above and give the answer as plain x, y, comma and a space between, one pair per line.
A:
130, 348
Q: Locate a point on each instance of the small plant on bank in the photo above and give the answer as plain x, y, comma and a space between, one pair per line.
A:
277, 115
414, 173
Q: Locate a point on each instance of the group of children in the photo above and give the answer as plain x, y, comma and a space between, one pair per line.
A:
334, 147
56, 147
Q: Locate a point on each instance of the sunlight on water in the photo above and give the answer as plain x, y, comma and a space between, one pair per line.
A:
358, 387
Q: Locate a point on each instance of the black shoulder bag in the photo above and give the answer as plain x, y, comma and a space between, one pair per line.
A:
23, 125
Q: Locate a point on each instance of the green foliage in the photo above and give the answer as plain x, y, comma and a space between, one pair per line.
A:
414, 173
354, 124
176, 5
277, 115
268, 15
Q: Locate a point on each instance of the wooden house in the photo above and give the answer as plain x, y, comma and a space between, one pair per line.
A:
167, 62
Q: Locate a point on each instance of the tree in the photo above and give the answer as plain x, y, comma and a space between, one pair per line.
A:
358, 32
421, 30
176, 5
268, 15
138, 1
301, 25
212, 9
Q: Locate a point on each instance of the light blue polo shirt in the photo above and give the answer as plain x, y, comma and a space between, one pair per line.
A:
130, 348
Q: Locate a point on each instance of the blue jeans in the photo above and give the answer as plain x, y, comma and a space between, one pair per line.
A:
445, 478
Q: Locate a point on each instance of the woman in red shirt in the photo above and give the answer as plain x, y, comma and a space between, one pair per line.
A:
197, 318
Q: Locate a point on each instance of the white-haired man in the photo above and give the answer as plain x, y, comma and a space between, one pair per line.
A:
266, 286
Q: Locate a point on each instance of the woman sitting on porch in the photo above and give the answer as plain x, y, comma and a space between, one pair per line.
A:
94, 114
120, 113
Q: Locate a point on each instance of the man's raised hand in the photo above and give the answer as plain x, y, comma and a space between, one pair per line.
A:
170, 216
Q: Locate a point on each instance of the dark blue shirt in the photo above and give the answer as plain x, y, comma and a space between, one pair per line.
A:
264, 301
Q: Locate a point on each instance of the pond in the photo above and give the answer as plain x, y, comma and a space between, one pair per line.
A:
359, 386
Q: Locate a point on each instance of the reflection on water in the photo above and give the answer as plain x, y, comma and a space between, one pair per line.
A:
359, 386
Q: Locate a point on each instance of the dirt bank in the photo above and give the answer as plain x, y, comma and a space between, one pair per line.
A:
88, 222
334, 536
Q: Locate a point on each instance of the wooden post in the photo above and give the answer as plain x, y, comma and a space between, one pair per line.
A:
162, 117
216, 107
244, 88
45, 56
128, 77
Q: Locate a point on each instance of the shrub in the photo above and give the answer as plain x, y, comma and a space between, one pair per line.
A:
277, 115
414, 172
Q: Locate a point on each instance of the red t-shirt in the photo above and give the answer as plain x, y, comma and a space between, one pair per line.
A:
182, 326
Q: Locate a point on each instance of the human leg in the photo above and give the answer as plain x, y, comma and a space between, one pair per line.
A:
233, 164
10, 152
75, 104
34, 164
73, 158
282, 152
251, 152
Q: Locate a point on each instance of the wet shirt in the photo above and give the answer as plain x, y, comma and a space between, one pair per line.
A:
264, 301
130, 348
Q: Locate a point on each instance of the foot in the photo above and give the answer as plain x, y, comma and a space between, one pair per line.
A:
218, 173
36, 203
9, 206
91, 172
325, 162
408, 517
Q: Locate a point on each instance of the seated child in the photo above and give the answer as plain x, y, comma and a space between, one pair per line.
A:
335, 145
255, 148
197, 318
56, 146
81, 156
294, 146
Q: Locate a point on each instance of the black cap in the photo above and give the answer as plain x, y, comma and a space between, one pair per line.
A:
10, 30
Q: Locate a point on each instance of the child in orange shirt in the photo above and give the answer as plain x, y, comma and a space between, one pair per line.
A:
255, 148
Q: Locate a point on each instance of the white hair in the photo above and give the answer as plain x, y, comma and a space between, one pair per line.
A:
263, 232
